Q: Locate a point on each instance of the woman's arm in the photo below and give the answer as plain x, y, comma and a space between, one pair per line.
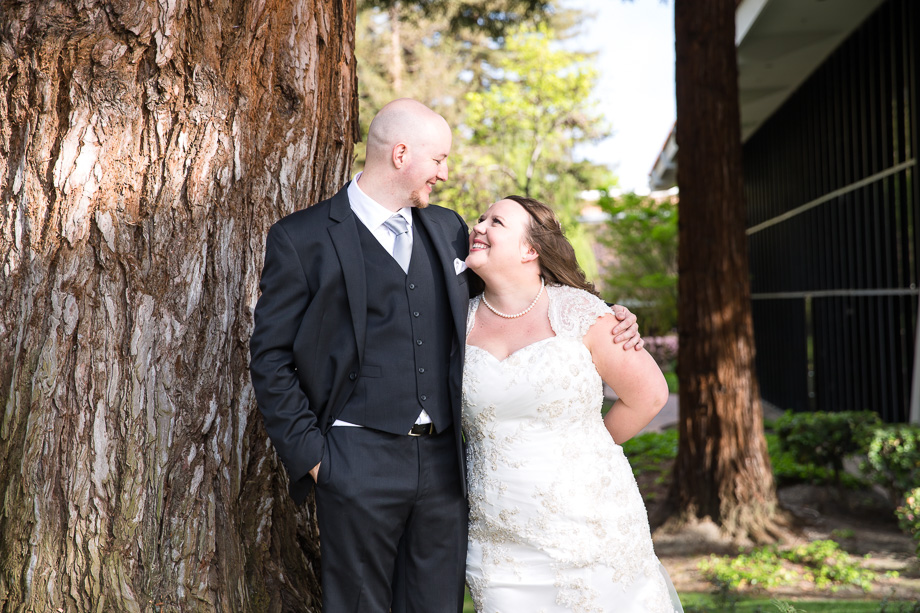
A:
635, 377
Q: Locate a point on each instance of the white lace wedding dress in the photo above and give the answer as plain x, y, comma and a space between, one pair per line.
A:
556, 520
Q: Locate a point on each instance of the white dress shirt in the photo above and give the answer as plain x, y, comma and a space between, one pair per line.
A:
373, 215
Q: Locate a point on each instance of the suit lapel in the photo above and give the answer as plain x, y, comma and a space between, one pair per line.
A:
347, 243
457, 290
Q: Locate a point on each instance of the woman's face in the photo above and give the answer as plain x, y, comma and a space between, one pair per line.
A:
500, 237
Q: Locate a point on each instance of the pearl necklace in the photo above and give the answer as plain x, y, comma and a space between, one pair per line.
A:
516, 315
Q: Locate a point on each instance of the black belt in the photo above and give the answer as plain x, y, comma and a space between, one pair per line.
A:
422, 429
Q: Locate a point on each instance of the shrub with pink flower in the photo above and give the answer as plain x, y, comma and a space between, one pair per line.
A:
664, 350
909, 515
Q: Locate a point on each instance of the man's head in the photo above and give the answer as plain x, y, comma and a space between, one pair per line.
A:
407, 149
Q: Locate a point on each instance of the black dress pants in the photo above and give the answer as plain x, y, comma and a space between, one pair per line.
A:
393, 523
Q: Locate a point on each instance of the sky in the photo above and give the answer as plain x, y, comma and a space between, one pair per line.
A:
634, 41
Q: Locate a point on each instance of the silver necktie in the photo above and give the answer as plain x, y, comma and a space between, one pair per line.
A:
402, 249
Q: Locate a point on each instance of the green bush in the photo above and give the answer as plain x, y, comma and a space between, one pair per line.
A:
829, 566
825, 439
893, 459
909, 515
822, 563
762, 568
787, 470
651, 451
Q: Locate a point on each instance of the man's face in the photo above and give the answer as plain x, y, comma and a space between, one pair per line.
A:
428, 165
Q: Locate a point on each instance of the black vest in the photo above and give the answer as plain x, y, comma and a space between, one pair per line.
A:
409, 332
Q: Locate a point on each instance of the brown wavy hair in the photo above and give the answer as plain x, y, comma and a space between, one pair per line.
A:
558, 264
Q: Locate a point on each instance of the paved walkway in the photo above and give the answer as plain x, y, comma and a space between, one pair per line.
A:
666, 418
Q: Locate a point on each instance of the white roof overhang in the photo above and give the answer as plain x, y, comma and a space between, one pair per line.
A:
780, 44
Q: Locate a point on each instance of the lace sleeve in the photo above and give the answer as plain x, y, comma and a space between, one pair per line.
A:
573, 311
471, 314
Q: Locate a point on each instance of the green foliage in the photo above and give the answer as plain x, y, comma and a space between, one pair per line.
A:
518, 105
788, 470
909, 515
415, 49
762, 568
785, 607
673, 385
643, 234
493, 17
735, 603
893, 459
651, 451
842, 533
825, 439
829, 566
821, 563
887, 606
534, 111
403, 53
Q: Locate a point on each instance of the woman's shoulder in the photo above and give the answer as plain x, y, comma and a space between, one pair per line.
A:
573, 311
573, 292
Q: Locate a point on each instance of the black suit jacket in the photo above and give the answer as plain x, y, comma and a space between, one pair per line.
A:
307, 345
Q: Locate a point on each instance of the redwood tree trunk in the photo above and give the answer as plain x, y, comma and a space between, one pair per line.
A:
145, 148
722, 471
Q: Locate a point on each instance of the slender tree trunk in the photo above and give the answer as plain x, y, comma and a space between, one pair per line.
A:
396, 50
145, 148
722, 471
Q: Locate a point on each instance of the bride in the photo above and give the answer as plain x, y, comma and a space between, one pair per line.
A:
556, 520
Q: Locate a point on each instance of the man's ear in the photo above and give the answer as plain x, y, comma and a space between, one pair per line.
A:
400, 155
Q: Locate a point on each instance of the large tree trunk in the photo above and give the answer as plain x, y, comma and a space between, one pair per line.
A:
722, 471
145, 148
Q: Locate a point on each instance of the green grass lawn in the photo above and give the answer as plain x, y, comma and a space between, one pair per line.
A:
468, 605
710, 604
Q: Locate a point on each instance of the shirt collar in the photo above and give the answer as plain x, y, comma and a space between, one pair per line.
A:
371, 213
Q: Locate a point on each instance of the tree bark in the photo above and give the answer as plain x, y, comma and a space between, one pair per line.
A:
145, 148
722, 470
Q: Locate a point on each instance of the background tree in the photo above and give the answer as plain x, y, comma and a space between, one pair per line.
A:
722, 469
535, 110
145, 148
642, 233
526, 124
434, 68
492, 17
445, 71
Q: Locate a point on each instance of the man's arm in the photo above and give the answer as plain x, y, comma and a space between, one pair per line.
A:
289, 420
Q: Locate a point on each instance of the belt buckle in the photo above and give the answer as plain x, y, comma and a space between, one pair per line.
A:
430, 429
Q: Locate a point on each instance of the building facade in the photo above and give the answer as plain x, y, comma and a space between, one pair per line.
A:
833, 203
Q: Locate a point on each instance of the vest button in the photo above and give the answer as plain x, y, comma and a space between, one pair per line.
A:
423, 397
352, 376
418, 342
415, 313
412, 286
421, 370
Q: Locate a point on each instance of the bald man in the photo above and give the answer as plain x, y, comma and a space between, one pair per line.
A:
357, 358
